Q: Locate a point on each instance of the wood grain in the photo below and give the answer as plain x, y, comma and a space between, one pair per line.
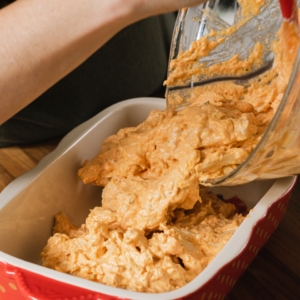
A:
274, 274
15, 161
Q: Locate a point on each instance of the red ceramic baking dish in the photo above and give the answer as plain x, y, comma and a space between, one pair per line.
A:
28, 205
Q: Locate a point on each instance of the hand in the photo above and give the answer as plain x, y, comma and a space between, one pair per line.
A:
146, 8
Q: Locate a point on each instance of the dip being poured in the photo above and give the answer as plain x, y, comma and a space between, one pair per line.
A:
158, 228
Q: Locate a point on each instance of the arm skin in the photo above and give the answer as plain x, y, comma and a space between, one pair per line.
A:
44, 40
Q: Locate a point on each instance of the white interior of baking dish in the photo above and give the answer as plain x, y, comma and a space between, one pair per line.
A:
28, 204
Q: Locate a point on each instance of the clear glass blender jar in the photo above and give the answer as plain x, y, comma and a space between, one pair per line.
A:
278, 152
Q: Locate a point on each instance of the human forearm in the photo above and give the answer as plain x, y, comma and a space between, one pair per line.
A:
42, 41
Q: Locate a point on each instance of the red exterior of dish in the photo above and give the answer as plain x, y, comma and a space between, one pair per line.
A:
20, 284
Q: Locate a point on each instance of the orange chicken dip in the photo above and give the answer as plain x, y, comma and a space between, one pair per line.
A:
158, 227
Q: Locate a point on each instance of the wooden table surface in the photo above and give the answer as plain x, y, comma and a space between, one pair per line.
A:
274, 274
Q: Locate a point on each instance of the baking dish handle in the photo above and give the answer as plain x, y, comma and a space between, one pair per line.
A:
20, 284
